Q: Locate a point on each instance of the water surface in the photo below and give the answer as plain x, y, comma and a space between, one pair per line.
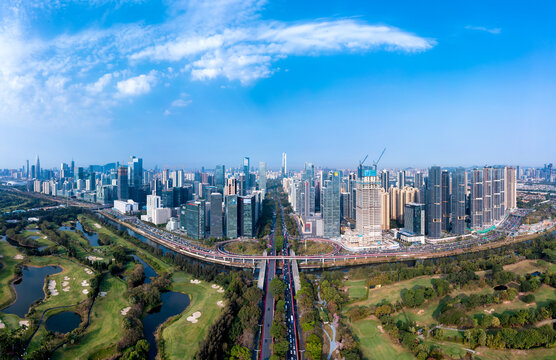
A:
63, 322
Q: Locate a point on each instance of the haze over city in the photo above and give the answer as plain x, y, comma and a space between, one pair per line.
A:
459, 83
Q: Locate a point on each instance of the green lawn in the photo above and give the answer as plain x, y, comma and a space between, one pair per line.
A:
8, 252
100, 339
181, 337
530, 266
375, 344
356, 288
244, 248
313, 248
485, 353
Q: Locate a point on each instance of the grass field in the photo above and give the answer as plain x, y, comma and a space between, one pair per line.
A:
313, 248
7, 271
356, 288
244, 248
375, 344
530, 266
485, 353
181, 337
100, 339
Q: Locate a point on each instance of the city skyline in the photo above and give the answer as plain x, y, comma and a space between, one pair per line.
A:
112, 77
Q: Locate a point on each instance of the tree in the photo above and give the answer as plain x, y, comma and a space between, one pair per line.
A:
314, 346
239, 352
277, 288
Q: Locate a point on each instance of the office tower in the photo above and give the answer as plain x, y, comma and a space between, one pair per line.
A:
247, 216
219, 180
247, 178
394, 196
38, 169
331, 205
153, 202
136, 171
401, 179
498, 194
414, 218
72, 168
193, 219
309, 173
216, 229
345, 205
284, 165
28, 170
459, 184
33, 175
446, 193
262, 176
368, 219
487, 196
168, 198
418, 180
510, 179
123, 185
352, 181
231, 186
231, 216
385, 209
476, 199
434, 203
385, 179
93, 181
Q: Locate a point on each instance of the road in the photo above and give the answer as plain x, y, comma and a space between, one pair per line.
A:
268, 310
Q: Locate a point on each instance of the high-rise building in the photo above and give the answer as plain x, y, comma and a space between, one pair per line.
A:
219, 180
369, 201
231, 216
459, 184
414, 218
284, 165
434, 203
247, 216
28, 170
246, 173
401, 179
136, 172
446, 194
418, 180
216, 229
38, 169
510, 179
192, 218
123, 185
385, 180
487, 196
92, 181
476, 199
231, 186
331, 205
262, 176
385, 208
498, 194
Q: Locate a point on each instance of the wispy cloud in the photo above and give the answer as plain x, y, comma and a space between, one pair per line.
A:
137, 85
485, 29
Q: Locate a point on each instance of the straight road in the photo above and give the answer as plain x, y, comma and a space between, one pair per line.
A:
268, 310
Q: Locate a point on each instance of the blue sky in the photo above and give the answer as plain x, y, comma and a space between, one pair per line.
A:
192, 83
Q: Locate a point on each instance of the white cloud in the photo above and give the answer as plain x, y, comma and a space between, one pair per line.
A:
100, 84
494, 31
137, 85
181, 102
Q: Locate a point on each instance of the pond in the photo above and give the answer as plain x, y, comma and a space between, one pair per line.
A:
63, 322
173, 303
500, 287
30, 288
147, 269
92, 237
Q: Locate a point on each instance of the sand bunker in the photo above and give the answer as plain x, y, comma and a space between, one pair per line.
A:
65, 283
1, 256
214, 286
85, 283
420, 312
489, 311
2, 325
67, 278
125, 310
194, 317
102, 293
18, 257
93, 258
24, 323
379, 327
220, 303
97, 225
52, 288
195, 281
85, 291
218, 288
89, 271
66, 289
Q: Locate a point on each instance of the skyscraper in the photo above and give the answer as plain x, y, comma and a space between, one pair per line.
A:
369, 201
487, 196
28, 170
262, 176
459, 185
38, 168
219, 173
331, 205
434, 203
193, 219
216, 228
136, 171
498, 194
401, 179
284, 165
414, 218
247, 216
385, 179
476, 199
231, 216
123, 185
446, 194
510, 176
246, 174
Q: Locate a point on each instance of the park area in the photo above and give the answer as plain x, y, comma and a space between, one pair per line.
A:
248, 247
312, 247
